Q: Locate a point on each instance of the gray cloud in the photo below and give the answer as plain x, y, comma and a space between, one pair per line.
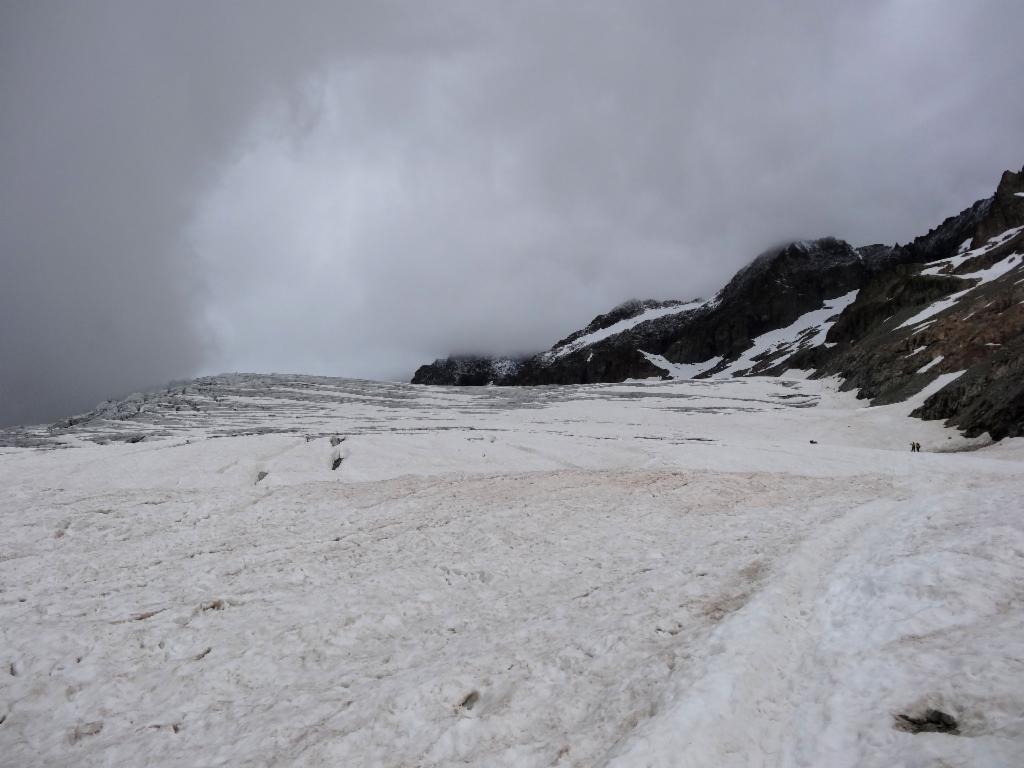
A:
356, 188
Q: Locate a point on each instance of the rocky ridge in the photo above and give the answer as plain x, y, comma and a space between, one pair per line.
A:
888, 320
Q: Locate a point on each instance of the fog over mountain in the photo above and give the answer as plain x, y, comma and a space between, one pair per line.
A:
352, 188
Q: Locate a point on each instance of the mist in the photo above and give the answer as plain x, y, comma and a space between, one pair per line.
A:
354, 189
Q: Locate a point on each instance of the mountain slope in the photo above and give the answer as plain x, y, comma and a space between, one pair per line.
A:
826, 307
959, 313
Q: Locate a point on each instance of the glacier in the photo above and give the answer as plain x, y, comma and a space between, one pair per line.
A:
737, 572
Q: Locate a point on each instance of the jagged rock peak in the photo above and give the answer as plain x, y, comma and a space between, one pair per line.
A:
776, 264
1006, 209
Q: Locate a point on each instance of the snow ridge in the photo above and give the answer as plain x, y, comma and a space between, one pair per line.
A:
622, 326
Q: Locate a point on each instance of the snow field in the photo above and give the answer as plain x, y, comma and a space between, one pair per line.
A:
643, 574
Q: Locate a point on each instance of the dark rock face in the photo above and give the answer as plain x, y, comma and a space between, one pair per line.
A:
613, 359
610, 362
981, 333
929, 721
468, 371
988, 398
897, 288
944, 241
625, 311
871, 344
773, 291
1006, 210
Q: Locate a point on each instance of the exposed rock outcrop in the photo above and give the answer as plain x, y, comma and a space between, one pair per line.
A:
469, 370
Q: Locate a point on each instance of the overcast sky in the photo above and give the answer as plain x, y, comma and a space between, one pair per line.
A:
355, 188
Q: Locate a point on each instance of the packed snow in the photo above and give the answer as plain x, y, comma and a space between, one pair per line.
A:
741, 572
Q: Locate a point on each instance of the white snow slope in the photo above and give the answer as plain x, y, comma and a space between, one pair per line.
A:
644, 574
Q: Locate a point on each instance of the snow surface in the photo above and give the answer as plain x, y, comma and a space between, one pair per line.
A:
808, 330
928, 366
648, 574
623, 325
680, 370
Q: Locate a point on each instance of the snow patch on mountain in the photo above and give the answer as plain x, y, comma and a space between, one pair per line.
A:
934, 386
995, 271
622, 326
808, 330
965, 254
933, 309
680, 370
